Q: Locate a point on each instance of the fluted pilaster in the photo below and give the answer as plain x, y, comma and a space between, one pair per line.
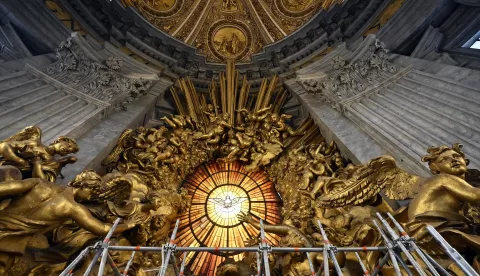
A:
405, 110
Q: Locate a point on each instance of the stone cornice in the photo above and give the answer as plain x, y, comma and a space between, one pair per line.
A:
128, 26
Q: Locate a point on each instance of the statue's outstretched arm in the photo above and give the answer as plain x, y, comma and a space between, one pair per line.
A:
82, 216
461, 189
17, 187
269, 228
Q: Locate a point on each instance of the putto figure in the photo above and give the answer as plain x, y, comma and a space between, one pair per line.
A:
26, 146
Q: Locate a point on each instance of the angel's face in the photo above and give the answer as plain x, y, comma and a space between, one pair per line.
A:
63, 148
83, 194
450, 162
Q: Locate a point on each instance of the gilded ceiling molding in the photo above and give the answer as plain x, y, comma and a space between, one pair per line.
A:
192, 11
269, 13
266, 21
162, 8
201, 20
191, 21
263, 29
295, 9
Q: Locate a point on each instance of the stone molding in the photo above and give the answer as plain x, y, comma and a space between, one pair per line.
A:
61, 86
101, 81
404, 109
129, 27
350, 79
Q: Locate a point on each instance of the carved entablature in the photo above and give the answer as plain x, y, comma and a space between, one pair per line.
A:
344, 22
348, 78
99, 80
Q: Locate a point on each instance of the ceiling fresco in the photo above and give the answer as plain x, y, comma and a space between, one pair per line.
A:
229, 29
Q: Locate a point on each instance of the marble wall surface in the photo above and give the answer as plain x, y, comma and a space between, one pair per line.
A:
402, 104
85, 90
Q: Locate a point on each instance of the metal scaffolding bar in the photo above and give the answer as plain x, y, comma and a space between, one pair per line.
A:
105, 243
312, 269
329, 251
130, 261
402, 242
69, 269
365, 271
264, 247
437, 265
412, 245
382, 262
182, 266
390, 249
113, 266
452, 253
259, 264
402, 247
94, 261
245, 249
170, 248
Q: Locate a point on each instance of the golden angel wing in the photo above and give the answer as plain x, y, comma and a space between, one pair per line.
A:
116, 190
28, 133
403, 186
112, 158
367, 181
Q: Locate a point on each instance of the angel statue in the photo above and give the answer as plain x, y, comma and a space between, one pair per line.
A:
22, 148
34, 207
124, 194
439, 201
128, 197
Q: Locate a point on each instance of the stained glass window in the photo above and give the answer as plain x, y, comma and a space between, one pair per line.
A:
219, 192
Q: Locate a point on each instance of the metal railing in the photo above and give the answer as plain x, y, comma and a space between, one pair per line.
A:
396, 244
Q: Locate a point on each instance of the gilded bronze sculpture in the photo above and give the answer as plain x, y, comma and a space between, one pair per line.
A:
24, 147
146, 169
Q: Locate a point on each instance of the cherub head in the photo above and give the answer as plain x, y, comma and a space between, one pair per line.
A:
65, 145
210, 108
87, 186
275, 117
447, 160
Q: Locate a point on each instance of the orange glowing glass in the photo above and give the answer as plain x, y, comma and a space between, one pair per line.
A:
219, 192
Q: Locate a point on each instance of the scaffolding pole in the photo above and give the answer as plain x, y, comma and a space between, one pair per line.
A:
329, 251
69, 269
406, 238
312, 269
402, 247
264, 247
452, 253
105, 243
389, 248
382, 262
170, 246
392, 247
259, 264
364, 268
245, 249
129, 263
182, 266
